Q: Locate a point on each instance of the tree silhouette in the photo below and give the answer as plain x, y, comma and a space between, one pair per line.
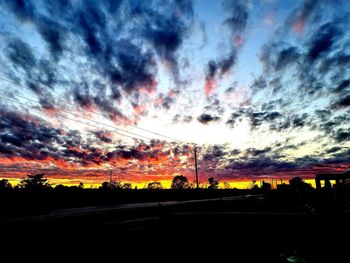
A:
298, 184
60, 187
105, 185
5, 184
114, 185
155, 185
179, 182
213, 184
265, 186
35, 182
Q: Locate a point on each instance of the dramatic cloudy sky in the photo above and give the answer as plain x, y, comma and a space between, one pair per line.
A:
260, 86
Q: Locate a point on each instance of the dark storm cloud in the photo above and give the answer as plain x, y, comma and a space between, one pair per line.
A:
261, 163
343, 85
32, 138
333, 149
339, 60
256, 118
329, 125
258, 152
323, 40
286, 57
216, 69
103, 136
143, 152
207, 118
275, 119
108, 108
20, 54
299, 121
343, 102
235, 152
24, 10
214, 153
164, 30
124, 153
26, 136
136, 69
278, 56
293, 121
53, 35
339, 157
50, 31
342, 135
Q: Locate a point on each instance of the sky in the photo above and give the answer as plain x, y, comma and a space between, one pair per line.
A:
259, 87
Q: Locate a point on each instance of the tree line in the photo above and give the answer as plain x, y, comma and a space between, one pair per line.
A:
40, 182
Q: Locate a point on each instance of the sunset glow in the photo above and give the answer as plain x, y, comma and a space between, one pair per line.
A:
260, 88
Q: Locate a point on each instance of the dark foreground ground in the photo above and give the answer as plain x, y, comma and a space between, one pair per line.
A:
248, 227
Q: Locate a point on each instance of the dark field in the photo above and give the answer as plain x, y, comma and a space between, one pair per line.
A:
250, 226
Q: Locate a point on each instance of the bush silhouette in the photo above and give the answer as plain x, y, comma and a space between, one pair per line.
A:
5, 184
180, 182
155, 185
213, 184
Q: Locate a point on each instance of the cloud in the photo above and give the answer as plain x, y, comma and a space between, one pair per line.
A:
26, 136
256, 119
136, 68
182, 118
216, 69
343, 85
302, 14
165, 31
214, 153
286, 57
236, 22
122, 52
207, 118
323, 40
238, 15
258, 152
104, 136
342, 103
20, 53
342, 135
333, 149
278, 56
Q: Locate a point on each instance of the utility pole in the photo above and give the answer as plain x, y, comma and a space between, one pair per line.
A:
195, 164
110, 176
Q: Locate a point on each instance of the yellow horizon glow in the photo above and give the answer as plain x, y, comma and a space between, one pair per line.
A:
243, 184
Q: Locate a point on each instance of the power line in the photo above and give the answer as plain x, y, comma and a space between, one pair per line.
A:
83, 117
93, 112
88, 124
28, 99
